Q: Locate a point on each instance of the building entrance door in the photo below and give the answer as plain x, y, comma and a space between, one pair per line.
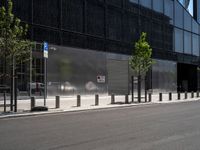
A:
186, 77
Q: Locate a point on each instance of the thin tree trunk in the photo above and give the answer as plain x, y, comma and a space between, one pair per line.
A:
145, 87
132, 88
139, 88
12, 93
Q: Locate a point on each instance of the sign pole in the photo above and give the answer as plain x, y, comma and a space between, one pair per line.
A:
45, 55
45, 80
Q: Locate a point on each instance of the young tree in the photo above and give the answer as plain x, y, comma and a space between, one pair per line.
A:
14, 47
141, 60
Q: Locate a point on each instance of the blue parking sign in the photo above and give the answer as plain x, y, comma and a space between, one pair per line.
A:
45, 49
46, 46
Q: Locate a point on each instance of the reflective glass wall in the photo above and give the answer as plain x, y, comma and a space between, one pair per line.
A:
73, 71
186, 38
164, 76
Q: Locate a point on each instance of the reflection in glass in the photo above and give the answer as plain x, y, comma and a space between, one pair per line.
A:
169, 9
72, 71
178, 40
146, 3
178, 15
158, 5
187, 42
187, 21
164, 76
195, 43
134, 1
188, 4
195, 26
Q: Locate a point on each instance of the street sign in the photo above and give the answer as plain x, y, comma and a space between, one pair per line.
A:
101, 79
45, 50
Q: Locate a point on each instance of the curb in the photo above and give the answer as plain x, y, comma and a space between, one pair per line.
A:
13, 115
29, 114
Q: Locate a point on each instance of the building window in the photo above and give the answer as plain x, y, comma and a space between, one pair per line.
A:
114, 25
178, 40
46, 12
187, 21
95, 19
195, 27
178, 15
187, 42
169, 9
146, 3
72, 15
195, 44
158, 5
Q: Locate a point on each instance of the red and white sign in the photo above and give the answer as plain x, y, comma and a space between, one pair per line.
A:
101, 79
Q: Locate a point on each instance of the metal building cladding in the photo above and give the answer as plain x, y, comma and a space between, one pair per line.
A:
90, 42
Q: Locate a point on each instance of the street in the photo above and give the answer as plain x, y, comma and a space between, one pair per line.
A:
150, 127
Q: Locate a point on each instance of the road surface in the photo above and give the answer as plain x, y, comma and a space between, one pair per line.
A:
152, 127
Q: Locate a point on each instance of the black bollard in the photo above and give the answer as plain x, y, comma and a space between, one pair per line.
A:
170, 96
32, 102
57, 101
96, 100
192, 94
160, 97
150, 97
112, 99
4, 95
197, 93
186, 95
179, 96
78, 100
126, 99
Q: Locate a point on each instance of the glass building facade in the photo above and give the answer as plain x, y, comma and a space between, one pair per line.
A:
92, 38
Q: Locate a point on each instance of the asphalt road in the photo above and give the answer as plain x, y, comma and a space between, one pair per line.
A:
154, 127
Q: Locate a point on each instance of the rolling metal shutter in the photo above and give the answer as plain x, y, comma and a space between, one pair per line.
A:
117, 77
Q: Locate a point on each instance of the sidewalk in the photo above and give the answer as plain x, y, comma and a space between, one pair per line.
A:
69, 104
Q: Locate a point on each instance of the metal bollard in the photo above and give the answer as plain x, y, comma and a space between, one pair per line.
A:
57, 101
170, 96
192, 94
96, 100
186, 95
4, 95
112, 99
150, 97
78, 100
179, 96
126, 99
160, 97
32, 102
197, 93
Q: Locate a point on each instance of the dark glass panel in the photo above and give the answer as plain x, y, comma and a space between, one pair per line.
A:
178, 15
158, 5
115, 2
22, 9
46, 12
114, 24
95, 19
73, 39
43, 34
187, 42
72, 15
178, 40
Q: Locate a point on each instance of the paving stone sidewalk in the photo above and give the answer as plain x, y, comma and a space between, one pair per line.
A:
69, 103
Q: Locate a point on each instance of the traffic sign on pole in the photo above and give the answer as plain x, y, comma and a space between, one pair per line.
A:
45, 50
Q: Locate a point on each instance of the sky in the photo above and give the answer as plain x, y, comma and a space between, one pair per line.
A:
190, 7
